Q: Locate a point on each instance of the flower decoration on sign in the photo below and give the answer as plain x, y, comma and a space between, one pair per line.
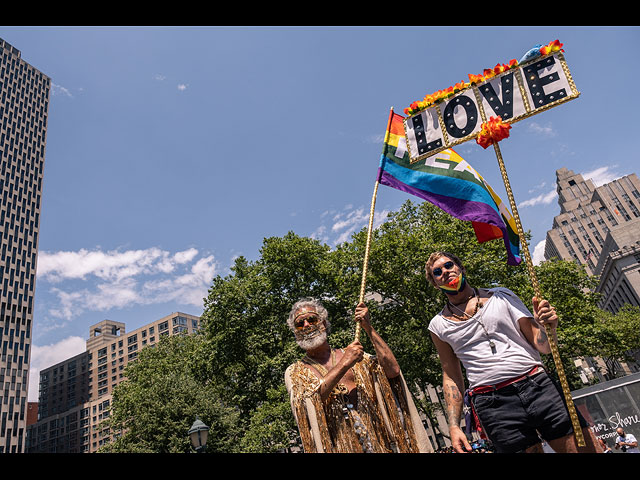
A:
492, 131
552, 47
487, 74
435, 97
492, 72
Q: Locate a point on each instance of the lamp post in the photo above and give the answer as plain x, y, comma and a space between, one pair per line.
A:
198, 434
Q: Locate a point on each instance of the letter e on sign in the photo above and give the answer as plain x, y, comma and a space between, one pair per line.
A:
545, 82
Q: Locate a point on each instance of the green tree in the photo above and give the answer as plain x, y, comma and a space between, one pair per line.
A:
404, 302
232, 375
569, 289
623, 341
271, 427
154, 408
584, 329
248, 344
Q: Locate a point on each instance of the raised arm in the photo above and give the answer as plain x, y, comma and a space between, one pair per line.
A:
385, 356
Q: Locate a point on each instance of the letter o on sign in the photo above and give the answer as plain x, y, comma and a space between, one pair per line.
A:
460, 116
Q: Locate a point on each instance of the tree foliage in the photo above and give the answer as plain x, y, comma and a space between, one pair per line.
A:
157, 404
237, 366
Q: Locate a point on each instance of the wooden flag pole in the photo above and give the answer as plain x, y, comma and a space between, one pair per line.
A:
536, 288
365, 265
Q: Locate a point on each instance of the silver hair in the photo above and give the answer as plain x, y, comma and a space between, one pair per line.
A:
309, 302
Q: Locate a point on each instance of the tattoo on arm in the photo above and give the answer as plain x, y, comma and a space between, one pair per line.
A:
541, 338
454, 403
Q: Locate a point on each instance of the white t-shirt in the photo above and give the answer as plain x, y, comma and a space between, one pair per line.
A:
514, 355
628, 437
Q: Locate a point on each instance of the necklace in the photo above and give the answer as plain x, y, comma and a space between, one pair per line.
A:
475, 310
348, 409
491, 344
478, 305
465, 300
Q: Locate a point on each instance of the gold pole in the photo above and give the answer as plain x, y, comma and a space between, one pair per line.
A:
366, 253
365, 265
536, 288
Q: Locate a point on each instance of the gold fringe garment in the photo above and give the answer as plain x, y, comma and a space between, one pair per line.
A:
384, 421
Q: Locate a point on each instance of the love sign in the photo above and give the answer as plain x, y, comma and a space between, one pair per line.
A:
484, 109
518, 92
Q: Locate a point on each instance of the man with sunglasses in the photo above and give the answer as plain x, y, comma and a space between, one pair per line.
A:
510, 398
345, 400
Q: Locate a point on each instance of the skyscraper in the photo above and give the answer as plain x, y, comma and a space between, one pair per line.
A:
24, 104
599, 227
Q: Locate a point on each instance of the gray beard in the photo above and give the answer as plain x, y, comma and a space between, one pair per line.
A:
312, 339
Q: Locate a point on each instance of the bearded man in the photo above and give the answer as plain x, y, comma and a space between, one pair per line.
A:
346, 400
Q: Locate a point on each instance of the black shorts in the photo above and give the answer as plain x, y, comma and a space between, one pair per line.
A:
513, 416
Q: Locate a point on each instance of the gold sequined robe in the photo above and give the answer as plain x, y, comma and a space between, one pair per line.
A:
384, 406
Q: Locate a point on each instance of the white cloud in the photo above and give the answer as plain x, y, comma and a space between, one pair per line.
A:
544, 130
159, 77
99, 281
185, 256
112, 265
601, 175
47, 356
203, 270
182, 87
538, 187
60, 90
542, 199
538, 252
343, 224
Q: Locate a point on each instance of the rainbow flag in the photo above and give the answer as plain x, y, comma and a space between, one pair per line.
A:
449, 182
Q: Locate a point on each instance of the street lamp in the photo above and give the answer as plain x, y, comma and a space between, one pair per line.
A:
198, 434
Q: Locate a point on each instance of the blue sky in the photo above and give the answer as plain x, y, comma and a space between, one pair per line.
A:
172, 150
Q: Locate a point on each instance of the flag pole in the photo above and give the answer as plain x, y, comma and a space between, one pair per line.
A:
367, 249
366, 253
536, 288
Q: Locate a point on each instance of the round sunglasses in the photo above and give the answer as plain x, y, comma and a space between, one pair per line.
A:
438, 271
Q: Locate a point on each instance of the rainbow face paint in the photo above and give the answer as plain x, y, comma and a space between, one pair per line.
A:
455, 285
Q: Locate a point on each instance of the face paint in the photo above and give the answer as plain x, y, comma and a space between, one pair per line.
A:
456, 285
